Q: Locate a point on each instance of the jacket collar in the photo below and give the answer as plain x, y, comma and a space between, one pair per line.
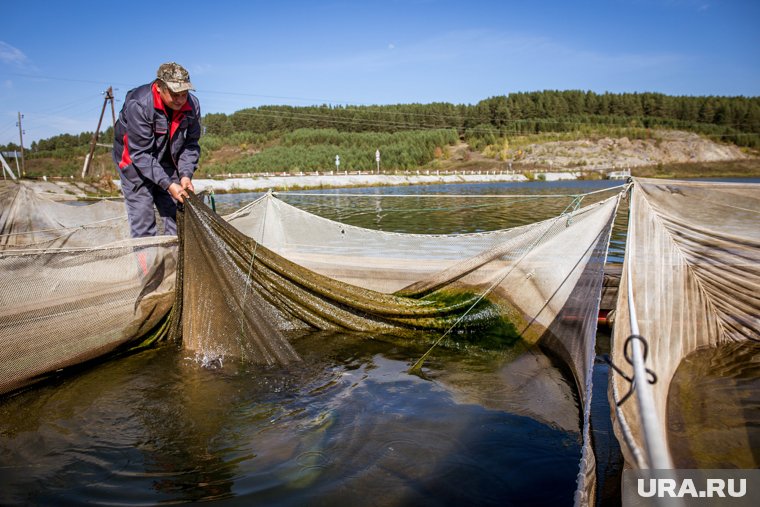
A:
159, 104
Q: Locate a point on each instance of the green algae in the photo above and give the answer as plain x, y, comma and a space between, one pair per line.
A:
485, 324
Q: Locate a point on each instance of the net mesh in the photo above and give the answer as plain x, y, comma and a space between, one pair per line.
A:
271, 269
30, 220
243, 286
75, 287
63, 306
693, 252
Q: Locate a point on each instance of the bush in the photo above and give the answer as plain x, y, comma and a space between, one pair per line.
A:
315, 150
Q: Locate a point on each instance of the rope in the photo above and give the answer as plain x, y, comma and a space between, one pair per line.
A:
121, 244
245, 208
250, 266
77, 198
74, 227
413, 210
654, 435
457, 196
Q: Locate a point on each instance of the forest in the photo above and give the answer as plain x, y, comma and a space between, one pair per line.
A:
517, 113
298, 138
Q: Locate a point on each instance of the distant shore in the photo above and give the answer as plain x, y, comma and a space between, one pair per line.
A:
71, 189
262, 183
106, 187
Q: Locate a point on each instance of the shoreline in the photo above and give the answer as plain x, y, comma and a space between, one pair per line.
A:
108, 188
72, 190
285, 183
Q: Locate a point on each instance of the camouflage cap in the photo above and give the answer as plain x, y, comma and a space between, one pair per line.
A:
175, 76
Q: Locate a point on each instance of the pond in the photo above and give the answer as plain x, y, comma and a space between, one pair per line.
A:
346, 426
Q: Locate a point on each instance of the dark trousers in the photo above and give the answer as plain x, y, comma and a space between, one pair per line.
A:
140, 200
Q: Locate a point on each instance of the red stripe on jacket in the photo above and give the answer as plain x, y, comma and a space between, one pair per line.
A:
177, 117
125, 158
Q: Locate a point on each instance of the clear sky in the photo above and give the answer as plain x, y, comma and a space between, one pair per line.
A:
57, 57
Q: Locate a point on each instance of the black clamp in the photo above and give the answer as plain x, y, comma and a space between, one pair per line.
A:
631, 380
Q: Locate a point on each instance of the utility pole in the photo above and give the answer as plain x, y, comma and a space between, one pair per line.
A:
108, 96
21, 140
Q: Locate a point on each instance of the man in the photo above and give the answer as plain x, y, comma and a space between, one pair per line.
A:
156, 148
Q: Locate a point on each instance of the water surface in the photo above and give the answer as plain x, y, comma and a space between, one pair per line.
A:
346, 426
714, 408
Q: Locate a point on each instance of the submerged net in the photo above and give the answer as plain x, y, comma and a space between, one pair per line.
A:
270, 270
29, 220
691, 279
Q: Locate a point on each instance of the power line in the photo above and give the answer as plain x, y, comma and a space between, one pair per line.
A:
89, 108
445, 122
53, 78
279, 97
9, 127
316, 117
68, 105
217, 92
378, 109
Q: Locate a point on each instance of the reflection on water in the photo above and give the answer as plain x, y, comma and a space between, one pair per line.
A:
714, 408
346, 426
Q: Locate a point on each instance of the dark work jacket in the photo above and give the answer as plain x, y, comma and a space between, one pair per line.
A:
144, 133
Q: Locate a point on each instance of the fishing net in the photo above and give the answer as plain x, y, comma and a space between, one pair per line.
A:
65, 299
63, 306
30, 220
691, 279
245, 284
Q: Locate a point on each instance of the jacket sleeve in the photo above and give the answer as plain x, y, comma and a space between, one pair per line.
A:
141, 139
191, 152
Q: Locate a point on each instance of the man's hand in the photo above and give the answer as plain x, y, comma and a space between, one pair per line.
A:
178, 192
187, 184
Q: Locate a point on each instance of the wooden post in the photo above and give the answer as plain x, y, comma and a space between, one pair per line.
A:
109, 96
88, 158
21, 140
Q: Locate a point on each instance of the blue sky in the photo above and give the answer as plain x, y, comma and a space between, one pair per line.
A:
56, 58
